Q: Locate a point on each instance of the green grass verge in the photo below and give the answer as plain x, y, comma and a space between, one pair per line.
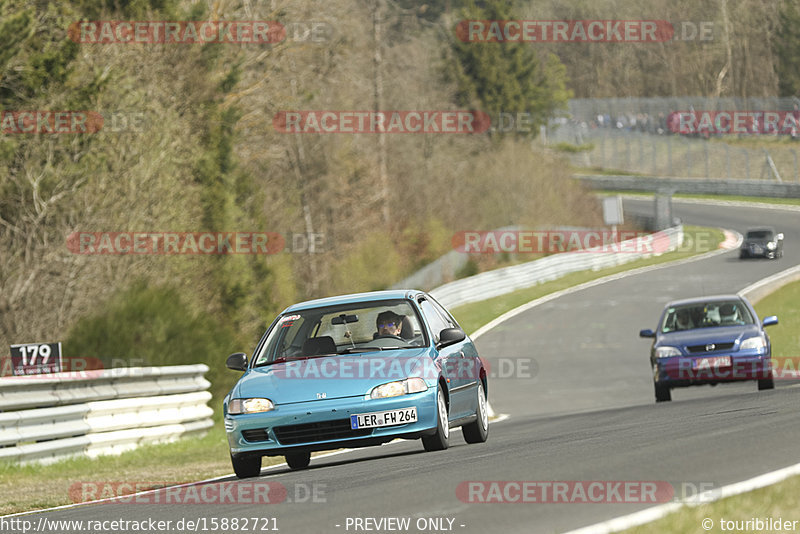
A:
476, 314
33, 486
778, 500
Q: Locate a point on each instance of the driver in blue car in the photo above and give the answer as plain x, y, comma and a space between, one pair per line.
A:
389, 324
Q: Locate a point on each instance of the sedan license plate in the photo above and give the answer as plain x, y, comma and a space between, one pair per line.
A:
711, 363
388, 418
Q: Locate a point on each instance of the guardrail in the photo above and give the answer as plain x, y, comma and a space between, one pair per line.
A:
758, 188
48, 417
507, 279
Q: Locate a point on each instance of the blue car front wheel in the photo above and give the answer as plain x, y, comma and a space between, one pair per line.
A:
246, 466
441, 439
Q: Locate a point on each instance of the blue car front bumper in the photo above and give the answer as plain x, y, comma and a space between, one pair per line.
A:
682, 371
325, 425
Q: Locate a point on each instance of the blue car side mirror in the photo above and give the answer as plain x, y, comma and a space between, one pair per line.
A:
647, 333
237, 361
450, 336
769, 321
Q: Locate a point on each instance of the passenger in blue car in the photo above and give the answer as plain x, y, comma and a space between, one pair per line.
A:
729, 315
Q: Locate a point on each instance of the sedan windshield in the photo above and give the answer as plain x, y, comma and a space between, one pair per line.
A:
344, 329
759, 234
719, 313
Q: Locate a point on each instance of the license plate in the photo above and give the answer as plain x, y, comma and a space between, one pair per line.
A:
388, 418
713, 362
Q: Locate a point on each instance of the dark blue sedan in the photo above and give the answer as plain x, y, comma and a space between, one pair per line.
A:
354, 371
709, 340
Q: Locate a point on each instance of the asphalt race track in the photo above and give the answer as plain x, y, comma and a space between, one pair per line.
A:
588, 414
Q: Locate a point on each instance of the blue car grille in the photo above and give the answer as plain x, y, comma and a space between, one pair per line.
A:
710, 347
322, 431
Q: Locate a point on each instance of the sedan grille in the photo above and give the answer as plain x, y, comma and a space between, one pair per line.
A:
709, 347
322, 431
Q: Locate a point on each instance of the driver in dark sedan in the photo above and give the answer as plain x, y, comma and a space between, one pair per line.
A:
388, 323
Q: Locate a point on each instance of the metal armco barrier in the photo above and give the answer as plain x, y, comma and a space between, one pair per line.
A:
505, 280
48, 417
758, 188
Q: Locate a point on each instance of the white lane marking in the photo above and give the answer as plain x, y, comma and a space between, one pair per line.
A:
657, 512
780, 279
610, 278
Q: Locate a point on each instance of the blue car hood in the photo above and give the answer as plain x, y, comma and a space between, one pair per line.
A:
332, 377
702, 336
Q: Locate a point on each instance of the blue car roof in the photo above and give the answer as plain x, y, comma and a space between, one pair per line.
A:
355, 297
701, 300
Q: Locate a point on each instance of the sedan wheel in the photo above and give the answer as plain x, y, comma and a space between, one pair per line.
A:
246, 466
478, 431
663, 393
298, 460
441, 439
766, 383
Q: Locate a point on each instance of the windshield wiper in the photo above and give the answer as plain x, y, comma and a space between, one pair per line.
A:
351, 350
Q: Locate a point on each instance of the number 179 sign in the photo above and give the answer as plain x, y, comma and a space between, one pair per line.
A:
36, 358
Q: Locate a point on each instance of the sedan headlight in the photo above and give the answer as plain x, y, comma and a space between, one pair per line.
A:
667, 352
754, 343
400, 387
771, 245
240, 406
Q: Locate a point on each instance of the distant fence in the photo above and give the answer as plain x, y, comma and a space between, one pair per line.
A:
505, 280
635, 135
758, 188
48, 417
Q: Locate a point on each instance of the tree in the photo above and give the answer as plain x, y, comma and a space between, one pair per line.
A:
507, 77
787, 50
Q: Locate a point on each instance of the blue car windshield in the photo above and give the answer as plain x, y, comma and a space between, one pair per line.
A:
344, 329
705, 315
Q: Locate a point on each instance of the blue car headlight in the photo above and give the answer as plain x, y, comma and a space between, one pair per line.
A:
771, 245
667, 352
255, 405
400, 387
757, 342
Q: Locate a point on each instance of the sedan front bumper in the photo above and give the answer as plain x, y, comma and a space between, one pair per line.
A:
682, 371
325, 424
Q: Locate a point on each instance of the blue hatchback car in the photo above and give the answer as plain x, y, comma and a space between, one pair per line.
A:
354, 371
709, 340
